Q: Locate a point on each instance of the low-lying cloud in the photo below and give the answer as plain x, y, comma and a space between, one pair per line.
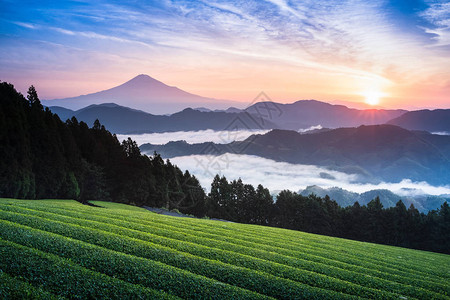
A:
201, 136
317, 127
441, 133
280, 175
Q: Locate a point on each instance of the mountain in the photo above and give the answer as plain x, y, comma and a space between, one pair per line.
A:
228, 110
145, 93
62, 112
376, 153
430, 120
263, 115
150, 95
120, 119
345, 198
307, 113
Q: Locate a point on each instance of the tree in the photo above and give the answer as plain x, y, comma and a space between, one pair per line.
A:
262, 209
131, 148
97, 125
220, 198
33, 98
375, 228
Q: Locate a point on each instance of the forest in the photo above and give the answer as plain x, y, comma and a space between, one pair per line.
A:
42, 157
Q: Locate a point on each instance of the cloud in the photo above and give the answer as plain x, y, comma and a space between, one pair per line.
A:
293, 47
192, 137
438, 14
441, 133
316, 127
201, 136
26, 25
279, 175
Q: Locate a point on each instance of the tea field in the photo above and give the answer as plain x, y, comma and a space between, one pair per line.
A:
57, 249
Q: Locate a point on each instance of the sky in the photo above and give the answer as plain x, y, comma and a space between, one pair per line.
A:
390, 53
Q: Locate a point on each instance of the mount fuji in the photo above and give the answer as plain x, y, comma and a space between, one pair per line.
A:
145, 93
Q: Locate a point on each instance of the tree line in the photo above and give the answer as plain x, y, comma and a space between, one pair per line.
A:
44, 157
398, 225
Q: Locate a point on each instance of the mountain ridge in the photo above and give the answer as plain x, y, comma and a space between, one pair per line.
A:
125, 120
299, 115
437, 120
306, 113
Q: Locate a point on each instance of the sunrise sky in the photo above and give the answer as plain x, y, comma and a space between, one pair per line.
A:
395, 52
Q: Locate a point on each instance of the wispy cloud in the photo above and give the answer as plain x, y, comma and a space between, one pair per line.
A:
97, 36
303, 47
438, 14
26, 25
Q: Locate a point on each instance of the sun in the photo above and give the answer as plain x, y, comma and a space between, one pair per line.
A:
372, 98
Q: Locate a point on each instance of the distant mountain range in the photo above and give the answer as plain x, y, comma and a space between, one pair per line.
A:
120, 119
430, 120
345, 198
145, 93
375, 153
112, 108
307, 113
263, 115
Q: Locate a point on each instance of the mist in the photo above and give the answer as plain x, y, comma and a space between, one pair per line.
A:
201, 136
191, 137
317, 127
278, 176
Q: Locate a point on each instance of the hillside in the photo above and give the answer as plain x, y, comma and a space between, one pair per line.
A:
429, 120
55, 248
120, 119
307, 113
379, 152
142, 92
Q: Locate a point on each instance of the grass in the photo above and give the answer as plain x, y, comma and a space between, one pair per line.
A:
63, 249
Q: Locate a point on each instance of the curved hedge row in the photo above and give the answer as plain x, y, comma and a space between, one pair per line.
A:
378, 287
145, 255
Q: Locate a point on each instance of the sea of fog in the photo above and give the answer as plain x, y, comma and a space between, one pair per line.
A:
201, 136
271, 174
277, 176
191, 137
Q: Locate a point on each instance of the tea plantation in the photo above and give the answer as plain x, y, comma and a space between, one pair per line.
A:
56, 249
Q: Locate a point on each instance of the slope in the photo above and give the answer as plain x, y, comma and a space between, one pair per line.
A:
66, 249
429, 120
